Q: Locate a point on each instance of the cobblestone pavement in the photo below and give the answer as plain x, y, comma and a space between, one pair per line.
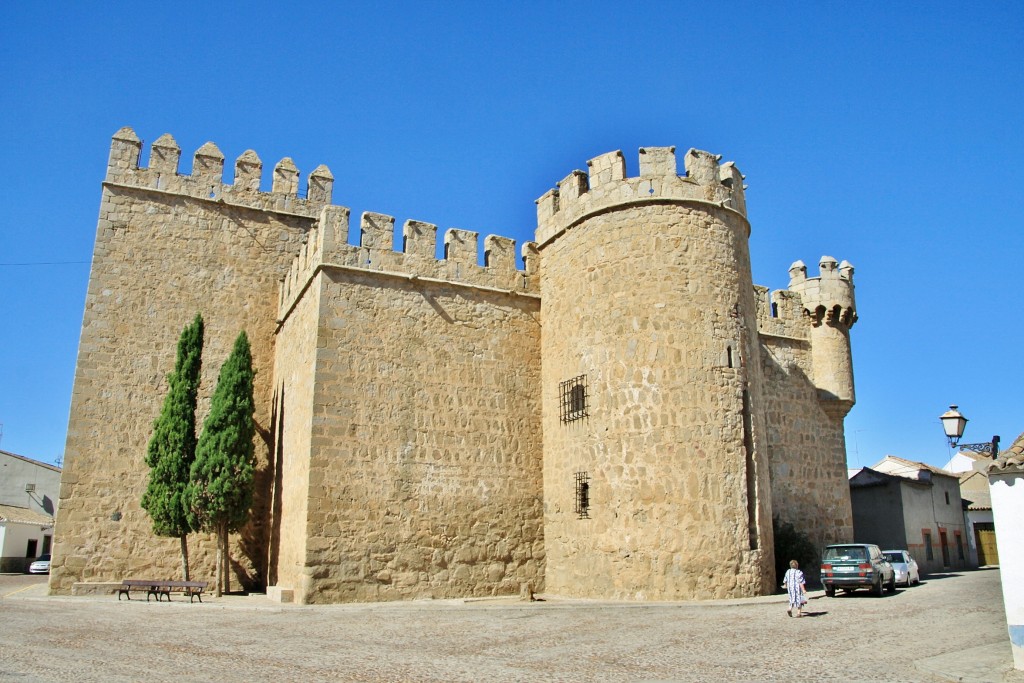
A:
916, 635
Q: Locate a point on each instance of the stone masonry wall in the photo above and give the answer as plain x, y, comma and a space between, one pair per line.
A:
806, 442
401, 399
425, 470
424, 461
295, 351
167, 246
647, 297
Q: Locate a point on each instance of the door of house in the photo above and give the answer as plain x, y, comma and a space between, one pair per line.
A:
985, 537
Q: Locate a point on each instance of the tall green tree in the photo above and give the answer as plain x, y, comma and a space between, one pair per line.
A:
172, 448
220, 491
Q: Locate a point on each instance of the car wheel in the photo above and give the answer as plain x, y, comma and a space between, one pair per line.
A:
892, 584
830, 591
877, 588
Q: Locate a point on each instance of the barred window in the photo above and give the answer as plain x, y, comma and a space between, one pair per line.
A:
572, 399
582, 507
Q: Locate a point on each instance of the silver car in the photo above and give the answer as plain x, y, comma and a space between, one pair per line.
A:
907, 573
41, 565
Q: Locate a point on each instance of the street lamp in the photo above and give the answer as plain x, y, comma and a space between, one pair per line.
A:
953, 423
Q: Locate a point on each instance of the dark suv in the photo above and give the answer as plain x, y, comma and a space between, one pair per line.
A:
856, 565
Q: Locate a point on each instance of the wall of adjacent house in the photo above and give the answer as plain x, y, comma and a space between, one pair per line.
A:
878, 515
1008, 507
14, 540
926, 507
18, 473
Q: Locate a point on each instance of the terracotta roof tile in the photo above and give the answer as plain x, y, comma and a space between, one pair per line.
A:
13, 513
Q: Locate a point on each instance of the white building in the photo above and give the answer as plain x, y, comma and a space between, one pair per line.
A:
29, 491
1006, 479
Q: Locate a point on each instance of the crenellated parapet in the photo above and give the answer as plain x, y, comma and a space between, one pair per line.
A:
827, 303
780, 313
327, 247
606, 186
206, 180
827, 299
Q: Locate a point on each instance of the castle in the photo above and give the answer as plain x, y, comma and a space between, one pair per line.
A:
620, 419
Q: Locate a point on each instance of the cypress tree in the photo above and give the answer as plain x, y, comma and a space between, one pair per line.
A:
172, 448
220, 491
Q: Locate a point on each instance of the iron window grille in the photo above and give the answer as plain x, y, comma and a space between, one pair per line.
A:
582, 507
572, 399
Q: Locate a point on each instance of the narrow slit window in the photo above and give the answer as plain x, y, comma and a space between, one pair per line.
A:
572, 395
582, 506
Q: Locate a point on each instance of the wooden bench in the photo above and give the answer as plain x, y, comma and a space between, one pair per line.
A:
193, 589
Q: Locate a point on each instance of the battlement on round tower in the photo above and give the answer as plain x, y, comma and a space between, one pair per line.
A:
606, 186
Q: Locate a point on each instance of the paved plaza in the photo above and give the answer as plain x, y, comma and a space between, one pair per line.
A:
949, 628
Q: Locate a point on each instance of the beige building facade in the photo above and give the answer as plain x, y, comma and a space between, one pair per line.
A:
621, 418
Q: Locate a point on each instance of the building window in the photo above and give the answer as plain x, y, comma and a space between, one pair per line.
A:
947, 497
959, 545
929, 554
572, 399
582, 506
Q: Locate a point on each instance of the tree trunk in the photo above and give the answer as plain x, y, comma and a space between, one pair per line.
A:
220, 565
184, 555
226, 559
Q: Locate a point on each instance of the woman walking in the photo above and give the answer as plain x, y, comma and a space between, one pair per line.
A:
795, 586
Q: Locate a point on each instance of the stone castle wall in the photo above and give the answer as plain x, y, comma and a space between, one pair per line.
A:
809, 386
424, 473
167, 246
409, 407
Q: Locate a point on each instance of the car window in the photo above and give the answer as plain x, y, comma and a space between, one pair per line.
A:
843, 553
894, 557
43, 558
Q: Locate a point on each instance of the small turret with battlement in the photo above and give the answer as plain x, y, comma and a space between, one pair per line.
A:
831, 310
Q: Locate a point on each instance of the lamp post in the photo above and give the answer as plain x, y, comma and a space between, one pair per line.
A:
953, 423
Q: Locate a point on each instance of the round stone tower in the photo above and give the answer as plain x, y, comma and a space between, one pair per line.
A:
655, 479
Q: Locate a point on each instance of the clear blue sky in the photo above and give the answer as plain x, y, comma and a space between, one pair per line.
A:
889, 137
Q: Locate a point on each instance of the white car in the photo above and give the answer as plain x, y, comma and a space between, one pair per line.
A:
903, 564
40, 566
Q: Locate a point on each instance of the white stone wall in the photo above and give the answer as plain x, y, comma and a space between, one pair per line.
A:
1007, 488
